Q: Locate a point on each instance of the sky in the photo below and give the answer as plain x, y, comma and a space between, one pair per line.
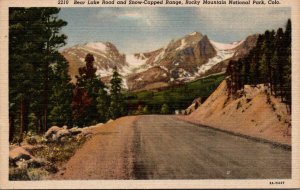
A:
143, 29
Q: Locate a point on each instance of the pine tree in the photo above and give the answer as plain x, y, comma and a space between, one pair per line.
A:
287, 69
269, 62
246, 62
80, 105
279, 62
53, 41
93, 89
268, 48
256, 61
103, 102
116, 108
33, 45
60, 100
229, 72
23, 45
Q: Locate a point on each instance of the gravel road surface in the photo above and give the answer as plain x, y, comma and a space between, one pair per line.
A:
164, 147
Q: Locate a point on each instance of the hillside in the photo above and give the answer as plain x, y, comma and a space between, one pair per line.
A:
253, 113
176, 97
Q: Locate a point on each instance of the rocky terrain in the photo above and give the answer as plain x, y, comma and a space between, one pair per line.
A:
252, 112
186, 59
39, 157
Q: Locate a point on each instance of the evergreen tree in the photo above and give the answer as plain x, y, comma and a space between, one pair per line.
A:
23, 45
247, 75
287, 69
230, 72
269, 62
268, 48
33, 47
165, 109
91, 88
80, 105
116, 108
146, 110
103, 102
53, 41
279, 62
60, 100
256, 62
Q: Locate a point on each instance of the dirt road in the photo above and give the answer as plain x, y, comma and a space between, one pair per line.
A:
163, 147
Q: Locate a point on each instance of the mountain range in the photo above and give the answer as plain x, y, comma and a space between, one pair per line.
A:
183, 60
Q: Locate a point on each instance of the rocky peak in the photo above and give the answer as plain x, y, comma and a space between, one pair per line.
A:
182, 60
106, 57
246, 46
206, 48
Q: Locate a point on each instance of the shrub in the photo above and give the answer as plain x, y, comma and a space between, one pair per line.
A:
18, 174
37, 174
164, 109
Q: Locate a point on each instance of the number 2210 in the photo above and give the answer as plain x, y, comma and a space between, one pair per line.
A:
63, 1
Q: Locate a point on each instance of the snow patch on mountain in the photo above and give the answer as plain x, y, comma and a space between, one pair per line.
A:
92, 50
223, 46
160, 55
164, 68
100, 46
134, 61
224, 51
135, 64
139, 79
192, 34
124, 83
181, 60
104, 72
182, 45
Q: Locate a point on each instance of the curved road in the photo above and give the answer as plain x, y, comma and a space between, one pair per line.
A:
164, 147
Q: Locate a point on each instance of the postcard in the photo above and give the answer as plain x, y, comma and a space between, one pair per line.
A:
126, 94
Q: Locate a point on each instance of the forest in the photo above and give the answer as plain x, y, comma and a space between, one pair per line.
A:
268, 63
40, 92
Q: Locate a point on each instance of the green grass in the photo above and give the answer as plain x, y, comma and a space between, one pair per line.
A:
179, 97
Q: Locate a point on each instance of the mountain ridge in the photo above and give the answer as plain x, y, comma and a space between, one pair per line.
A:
182, 60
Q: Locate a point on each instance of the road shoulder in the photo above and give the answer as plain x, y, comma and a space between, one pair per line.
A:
109, 145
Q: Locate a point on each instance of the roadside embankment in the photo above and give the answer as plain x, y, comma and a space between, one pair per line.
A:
253, 112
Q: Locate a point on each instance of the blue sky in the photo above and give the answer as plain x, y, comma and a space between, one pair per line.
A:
142, 29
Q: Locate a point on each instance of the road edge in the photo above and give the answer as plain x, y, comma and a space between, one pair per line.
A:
257, 139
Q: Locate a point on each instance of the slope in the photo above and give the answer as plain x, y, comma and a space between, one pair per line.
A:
253, 113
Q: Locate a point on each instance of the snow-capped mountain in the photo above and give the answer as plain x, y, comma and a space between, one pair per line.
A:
188, 58
106, 57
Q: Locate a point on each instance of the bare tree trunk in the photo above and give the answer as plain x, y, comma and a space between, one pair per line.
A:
45, 120
46, 86
25, 115
38, 126
270, 80
11, 127
21, 120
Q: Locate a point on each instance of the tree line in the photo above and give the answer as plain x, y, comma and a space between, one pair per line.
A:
269, 62
40, 90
